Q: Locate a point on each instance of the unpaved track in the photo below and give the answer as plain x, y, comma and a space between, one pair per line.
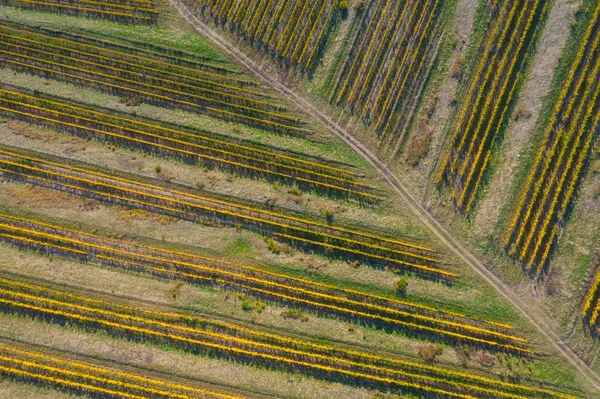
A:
528, 310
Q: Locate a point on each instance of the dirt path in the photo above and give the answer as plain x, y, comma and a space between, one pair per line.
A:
520, 132
397, 183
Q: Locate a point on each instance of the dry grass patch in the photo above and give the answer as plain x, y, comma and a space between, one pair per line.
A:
40, 197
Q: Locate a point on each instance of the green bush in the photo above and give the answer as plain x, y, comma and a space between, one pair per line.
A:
401, 286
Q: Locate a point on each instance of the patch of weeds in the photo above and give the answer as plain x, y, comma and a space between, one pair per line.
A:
294, 314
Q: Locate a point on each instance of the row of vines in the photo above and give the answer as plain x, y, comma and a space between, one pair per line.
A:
293, 31
142, 76
382, 76
198, 206
322, 299
487, 104
215, 338
93, 380
190, 146
553, 180
126, 11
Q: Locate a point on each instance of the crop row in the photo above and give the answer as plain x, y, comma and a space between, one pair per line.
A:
488, 103
141, 82
294, 31
558, 169
190, 147
185, 204
91, 379
209, 78
170, 61
591, 306
218, 339
381, 77
323, 299
119, 11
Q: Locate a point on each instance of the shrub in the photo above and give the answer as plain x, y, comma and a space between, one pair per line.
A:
273, 247
247, 306
456, 69
294, 314
401, 286
418, 143
485, 359
328, 216
429, 352
295, 191
158, 168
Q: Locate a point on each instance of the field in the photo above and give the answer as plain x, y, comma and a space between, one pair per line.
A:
554, 179
380, 79
487, 103
293, 31
136, 11
258, 199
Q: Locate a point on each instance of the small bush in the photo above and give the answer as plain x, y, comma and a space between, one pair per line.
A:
456, 69
485, 359
295, 191
401, 286
294, 314
247, 305
273, 247
521, 113
428, 352
418, 143
158, 169
328, 216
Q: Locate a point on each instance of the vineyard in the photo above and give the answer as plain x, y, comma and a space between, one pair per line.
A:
215, 338
487, 104
91, 379
383, 73
591, 306
202, 148
320, 298
180, 202
553, 180
153, 77
327, 199
137, 11
293, 31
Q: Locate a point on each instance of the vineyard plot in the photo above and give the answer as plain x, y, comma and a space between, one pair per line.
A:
319, 298
294, 31
198, 206
143, 76
216, 338
191, 146
91, 379
126, 11
556, 174
486, 106
382, 76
